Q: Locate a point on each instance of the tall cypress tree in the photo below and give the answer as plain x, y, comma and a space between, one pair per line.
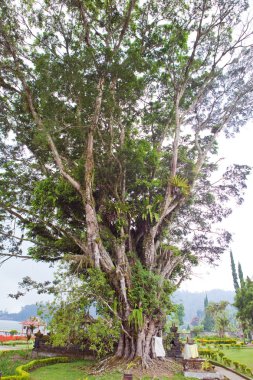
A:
240, 274
206, 302
234, 274
208, 321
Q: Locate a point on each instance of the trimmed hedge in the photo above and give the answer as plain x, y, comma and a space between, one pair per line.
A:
22, 373
217, 341
219, 356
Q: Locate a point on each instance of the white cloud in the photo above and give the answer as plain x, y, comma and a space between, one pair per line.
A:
237, 150
12, 272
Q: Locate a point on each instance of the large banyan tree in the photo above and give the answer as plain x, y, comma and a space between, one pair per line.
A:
110, 114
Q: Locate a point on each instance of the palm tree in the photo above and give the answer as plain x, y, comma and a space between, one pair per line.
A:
218, 312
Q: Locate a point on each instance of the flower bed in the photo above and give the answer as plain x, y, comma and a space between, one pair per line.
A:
8, 338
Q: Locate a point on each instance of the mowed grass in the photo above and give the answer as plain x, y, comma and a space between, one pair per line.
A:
10, 360
61, 371
77, 371
241, 355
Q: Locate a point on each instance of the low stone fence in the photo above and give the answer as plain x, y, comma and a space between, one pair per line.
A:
43, 345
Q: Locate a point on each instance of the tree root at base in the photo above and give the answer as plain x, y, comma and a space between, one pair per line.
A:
139, 366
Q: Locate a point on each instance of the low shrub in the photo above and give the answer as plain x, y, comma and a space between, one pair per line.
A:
22, 373
216, 340
243, 368
227, 361
10, 360
205, 352
221, 354
236, 365
249, 372
206, 366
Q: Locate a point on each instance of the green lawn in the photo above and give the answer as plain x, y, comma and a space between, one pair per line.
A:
60, 371
241, 355
76, 371
10, 360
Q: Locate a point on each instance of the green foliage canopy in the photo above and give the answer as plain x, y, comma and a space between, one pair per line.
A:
218, 312
244, 304
110, 115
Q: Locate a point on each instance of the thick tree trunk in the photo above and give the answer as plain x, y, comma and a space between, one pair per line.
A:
138, 344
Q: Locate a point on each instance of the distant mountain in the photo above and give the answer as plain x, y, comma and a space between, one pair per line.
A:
194, 302
26, 312
30, 311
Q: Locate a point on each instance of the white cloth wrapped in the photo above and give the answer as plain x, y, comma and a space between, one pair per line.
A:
190, 351
158, 347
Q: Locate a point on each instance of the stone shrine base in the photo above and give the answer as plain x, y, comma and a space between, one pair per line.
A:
192, 365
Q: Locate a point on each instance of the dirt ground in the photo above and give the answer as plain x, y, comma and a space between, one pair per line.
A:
158, 368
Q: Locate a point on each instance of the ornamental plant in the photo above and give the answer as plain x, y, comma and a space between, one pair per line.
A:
236, 365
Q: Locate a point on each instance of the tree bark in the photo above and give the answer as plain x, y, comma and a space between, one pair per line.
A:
138, 344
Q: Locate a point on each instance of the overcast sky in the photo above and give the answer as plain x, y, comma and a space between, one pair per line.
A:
238, 150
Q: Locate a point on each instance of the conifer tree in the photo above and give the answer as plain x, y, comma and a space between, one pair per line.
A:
208, 321
234, 274
240, 274
205, 302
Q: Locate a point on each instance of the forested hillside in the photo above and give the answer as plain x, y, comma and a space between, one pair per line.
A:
195, 301
26, 312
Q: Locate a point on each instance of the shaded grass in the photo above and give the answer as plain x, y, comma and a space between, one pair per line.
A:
78, 371
60, 371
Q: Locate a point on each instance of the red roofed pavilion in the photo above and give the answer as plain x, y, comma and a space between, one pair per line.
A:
32, 323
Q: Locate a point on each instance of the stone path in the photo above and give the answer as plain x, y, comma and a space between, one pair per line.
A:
229, 374
11, 348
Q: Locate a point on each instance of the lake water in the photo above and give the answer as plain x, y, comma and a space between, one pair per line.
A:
10, 325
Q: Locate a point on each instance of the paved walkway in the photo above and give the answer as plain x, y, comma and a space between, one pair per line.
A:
229, 374
11, 348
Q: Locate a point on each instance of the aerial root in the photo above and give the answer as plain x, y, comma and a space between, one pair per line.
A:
139, 366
